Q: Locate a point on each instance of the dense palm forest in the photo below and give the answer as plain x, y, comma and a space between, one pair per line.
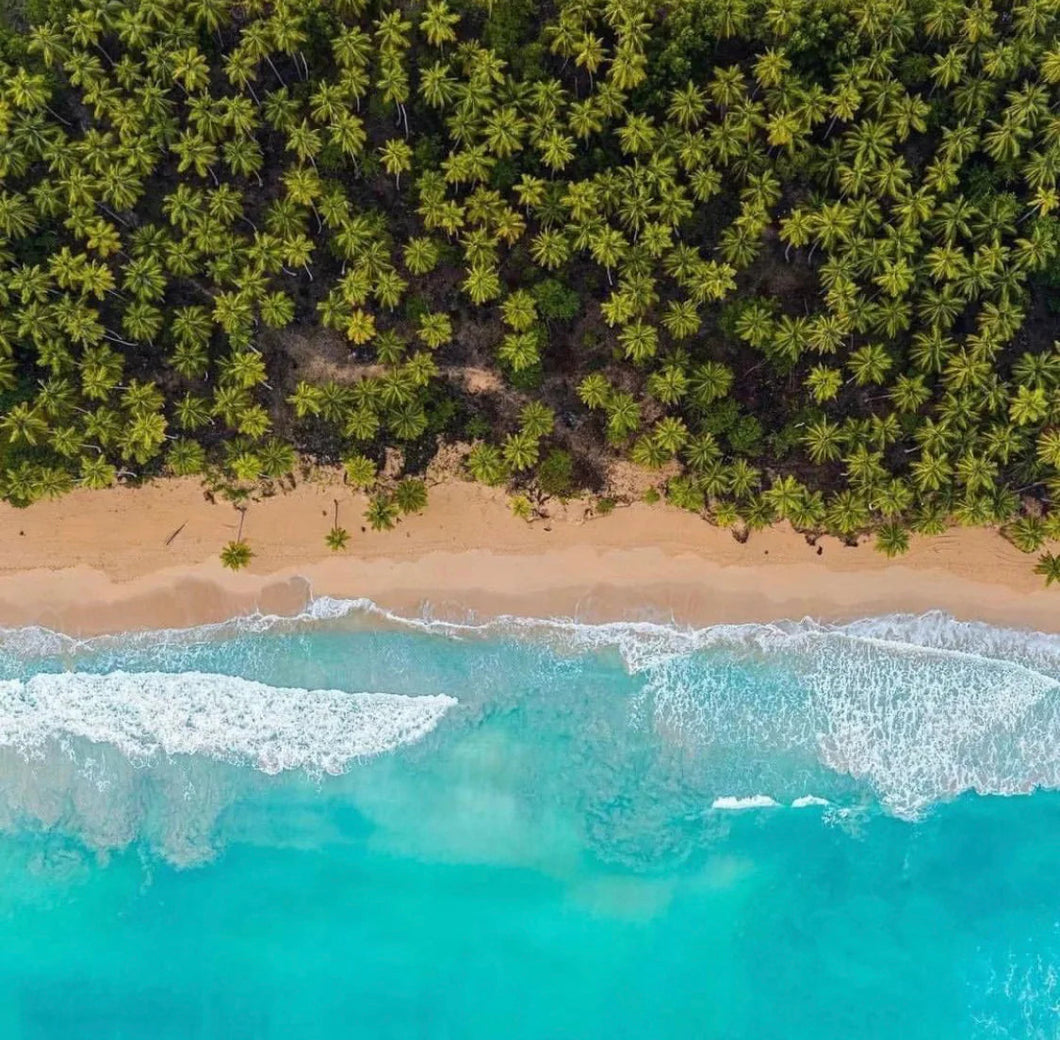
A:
800, 256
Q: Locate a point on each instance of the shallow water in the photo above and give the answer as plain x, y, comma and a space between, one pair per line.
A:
346, 825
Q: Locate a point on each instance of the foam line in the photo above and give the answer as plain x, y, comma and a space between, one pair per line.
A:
642, 644
755, 801
223, 717
730, 803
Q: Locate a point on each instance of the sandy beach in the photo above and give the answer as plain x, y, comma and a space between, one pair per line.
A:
125, 559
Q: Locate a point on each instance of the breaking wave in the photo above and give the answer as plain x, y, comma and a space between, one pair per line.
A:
911, 709
145, 714
37, 641
728, 803
640, 644
754, 801
158, 758
920, 707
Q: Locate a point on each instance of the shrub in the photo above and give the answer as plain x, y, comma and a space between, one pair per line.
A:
556, 473
555, 300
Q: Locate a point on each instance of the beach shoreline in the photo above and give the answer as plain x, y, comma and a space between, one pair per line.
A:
98, 562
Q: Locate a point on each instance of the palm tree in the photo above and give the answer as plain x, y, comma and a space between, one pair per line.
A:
710, 382
237, 554
338, 537
892, 540
1027, 533
520, 350
823, 440
909, 393
360, 327
482, 284
1048, 566
435, 329
931, 472
96, 472
536, 419
407, 421
869, 364
671, 434
185, 457
668, 385
623, 416
360, 471
519, 310
410, 495
396, 156
277, 457
892, 498
421, 255
520, 451
382, 512
639, 341
23, 424
688, 106
648, 452
486, 464
681, 319
550, 248
784, 496
847, 513
437, 23
743, 478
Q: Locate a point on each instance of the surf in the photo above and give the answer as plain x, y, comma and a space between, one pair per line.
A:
912, 709
274, 729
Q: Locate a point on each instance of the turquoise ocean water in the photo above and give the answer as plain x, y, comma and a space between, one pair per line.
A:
345, 825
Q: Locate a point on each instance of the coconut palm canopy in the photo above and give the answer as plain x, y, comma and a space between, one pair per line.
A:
804, 249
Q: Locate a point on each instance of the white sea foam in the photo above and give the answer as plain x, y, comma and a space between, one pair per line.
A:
755, 801
920, 708
34, 641
159, 757
764, 801
1020, 999
918, 724
641, 644
925, 724
219, 716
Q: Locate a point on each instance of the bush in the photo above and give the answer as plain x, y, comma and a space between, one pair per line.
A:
528, 379
556, 473
477, 428
555, 300
721, 417
746, 436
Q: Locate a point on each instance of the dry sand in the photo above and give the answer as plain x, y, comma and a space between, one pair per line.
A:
99, 561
